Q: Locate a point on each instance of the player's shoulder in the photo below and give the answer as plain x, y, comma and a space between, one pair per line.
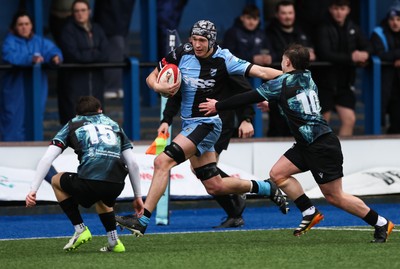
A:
222, 52
106, 120
186, 48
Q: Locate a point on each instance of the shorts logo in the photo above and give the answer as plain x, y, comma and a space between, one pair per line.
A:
321, 175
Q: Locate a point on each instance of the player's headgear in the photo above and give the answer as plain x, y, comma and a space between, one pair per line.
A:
207, 29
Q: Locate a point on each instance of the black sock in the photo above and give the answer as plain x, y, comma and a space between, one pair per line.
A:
371, 218
108, 220
147, 213
239, 204
303, 202
222, 173
254, 188
70, 208
225, 201
230, 203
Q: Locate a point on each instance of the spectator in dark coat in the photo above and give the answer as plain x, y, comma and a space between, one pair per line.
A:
283, 31
341, 42
169, 14
81, 42
385, 41
114, 17
246, 40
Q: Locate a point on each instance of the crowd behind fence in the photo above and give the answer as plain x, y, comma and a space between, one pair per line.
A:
371, 95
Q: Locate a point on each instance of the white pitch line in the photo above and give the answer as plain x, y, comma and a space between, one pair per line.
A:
336, 228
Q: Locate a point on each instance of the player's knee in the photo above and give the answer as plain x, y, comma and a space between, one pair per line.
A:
55, 180
175, 152
349, 121
275, 175
279, 180
215, 190
206, 171
333, 199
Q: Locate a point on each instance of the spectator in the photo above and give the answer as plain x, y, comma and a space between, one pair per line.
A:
311, 14
246, 40
114, 17
386, 45
60, 12
81, 42
269, 10
22, 47
169, 13
282, 32
340, 42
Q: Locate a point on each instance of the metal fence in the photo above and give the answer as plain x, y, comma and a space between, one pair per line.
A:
371, 87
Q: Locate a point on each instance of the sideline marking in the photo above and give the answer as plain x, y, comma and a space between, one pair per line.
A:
338, 228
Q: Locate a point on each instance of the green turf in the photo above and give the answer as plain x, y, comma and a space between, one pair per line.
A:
238, 249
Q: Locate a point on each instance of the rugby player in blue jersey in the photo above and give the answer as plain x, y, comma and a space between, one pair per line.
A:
317, 148
105, 158
205, 69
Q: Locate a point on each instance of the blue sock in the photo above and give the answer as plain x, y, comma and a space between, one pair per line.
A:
264, 188
144, 220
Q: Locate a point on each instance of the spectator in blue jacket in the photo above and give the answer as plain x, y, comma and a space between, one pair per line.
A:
22, 47
82, 41
385, 41
246, 40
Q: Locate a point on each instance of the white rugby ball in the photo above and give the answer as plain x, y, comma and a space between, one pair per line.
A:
171, 74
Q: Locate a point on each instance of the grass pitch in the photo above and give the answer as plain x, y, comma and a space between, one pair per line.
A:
320, 248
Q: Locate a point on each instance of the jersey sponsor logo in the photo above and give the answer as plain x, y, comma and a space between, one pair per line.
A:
199, 83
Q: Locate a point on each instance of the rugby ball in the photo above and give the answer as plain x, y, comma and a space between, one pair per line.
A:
171, 74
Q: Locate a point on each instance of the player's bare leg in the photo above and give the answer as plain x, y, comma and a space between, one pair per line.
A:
282, 173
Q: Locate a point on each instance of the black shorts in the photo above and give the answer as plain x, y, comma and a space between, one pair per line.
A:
329, 98
323, 158
87, 192
224, 139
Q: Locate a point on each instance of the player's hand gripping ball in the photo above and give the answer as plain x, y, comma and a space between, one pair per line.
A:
171, 74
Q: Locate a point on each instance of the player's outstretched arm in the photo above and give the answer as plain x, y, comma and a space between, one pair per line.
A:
42, 169
266, 73
209, 106
134, 177
212, 106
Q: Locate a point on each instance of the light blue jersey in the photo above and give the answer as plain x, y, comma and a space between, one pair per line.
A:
203, 78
